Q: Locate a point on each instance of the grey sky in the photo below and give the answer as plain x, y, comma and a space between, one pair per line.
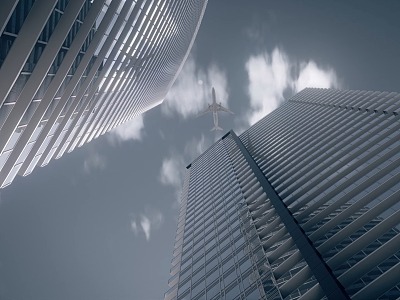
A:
99, 223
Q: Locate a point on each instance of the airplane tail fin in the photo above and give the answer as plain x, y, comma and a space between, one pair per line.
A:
215, 128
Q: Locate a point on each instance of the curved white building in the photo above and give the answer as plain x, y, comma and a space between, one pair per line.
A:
303, 205
71, 70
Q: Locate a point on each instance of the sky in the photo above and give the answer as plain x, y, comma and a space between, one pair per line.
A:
99, 223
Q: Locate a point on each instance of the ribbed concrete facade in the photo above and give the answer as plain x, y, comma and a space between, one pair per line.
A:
71, 70
303, 205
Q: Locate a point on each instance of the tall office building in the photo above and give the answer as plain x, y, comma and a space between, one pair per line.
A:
71, 70
303, 205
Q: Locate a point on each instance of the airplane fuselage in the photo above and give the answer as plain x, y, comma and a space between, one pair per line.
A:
215, 117
215, 107
214, 98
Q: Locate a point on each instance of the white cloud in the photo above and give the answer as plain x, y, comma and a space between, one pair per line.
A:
173, 167
146, 223
146, 226
313, 76
135, 227
268, 78
271, 75
94, 162
191, 92
131, 130
172, 171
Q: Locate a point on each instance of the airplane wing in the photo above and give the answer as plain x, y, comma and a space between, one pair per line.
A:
207, 110
221, 108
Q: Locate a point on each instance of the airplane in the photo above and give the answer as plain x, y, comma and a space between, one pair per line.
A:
214, 108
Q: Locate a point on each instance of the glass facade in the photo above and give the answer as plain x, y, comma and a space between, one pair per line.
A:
73, 70
303, 205
219, 247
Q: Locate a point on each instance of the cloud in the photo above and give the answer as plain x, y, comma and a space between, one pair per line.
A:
172, 171
273, 75
131, 130
146, 226
191, 92
146, 223
173, 167
94, 162
268, 78
135, 227
313, 76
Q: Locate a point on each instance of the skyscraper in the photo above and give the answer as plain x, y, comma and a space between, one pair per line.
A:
303, 205
71, 70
